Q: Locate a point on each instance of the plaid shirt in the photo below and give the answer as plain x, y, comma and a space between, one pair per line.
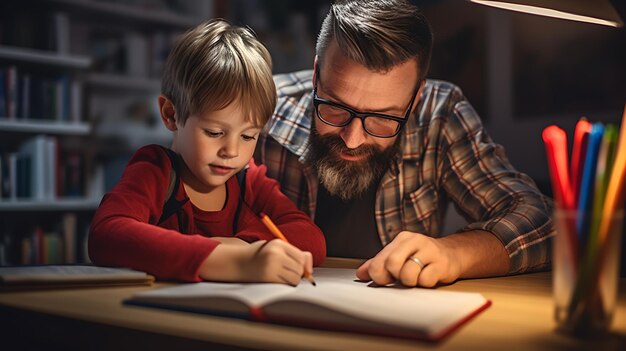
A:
445, 155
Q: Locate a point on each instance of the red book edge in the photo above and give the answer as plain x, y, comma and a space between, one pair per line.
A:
257, 314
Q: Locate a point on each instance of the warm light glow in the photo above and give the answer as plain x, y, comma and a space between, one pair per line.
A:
545, 12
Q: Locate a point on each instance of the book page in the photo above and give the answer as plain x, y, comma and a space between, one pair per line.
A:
252, 295
339, 298
345, 275
424, 310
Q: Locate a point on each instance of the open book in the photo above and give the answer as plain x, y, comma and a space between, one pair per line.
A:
338, 302
68, 276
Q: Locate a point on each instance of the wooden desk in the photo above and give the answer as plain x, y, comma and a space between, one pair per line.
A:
94, 319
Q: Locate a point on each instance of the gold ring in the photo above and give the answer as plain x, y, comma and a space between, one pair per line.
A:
417, 261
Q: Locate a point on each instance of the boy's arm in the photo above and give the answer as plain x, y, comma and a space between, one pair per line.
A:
123, 231
263, 195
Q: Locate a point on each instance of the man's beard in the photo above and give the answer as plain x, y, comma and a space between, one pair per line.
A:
348, 179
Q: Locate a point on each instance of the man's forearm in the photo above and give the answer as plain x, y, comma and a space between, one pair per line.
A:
480, 253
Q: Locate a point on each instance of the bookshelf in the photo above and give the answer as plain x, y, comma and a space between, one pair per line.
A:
10, 125
58, 205
118, 81
41, 128
80, 81
44, 57
152, 14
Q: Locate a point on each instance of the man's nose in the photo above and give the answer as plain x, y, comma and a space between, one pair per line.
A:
353, 134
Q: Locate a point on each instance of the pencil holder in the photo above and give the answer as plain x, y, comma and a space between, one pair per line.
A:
585, 271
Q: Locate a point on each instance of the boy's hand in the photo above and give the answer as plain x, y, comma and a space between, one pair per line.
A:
272, 261
276, 261
229, 240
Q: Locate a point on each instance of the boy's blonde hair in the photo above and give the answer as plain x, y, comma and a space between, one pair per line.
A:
216, 64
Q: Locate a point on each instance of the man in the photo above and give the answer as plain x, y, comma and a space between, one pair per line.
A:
373, 151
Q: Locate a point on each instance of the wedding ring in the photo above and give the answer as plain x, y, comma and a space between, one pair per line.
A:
417, 261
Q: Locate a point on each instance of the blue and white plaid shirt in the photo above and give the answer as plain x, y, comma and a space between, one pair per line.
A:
445, 154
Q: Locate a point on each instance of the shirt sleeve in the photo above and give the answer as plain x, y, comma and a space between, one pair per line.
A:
485, 187
124, 233
263, 195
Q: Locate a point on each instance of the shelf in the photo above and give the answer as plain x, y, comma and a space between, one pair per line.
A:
49, 205
119, 82
44, 126
130, 13
49, 58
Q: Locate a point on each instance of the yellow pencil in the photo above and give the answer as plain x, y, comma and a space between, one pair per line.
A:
278, 234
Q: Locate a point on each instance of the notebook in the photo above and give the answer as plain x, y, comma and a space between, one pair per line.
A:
338, 302
68, 276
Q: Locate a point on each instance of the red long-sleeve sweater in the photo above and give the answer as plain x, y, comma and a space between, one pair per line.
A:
124, 231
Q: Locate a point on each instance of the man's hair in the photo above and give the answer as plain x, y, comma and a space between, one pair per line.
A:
378, 34
216, 64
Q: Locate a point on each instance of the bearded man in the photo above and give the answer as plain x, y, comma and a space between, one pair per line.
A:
373, 151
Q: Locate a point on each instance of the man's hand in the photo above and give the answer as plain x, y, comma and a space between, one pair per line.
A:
463, 255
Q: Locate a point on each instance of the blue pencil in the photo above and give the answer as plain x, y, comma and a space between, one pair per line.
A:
587, 183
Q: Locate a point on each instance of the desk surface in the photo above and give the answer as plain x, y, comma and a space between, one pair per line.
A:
519, 319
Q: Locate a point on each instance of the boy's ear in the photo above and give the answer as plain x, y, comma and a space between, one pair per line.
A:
168, 113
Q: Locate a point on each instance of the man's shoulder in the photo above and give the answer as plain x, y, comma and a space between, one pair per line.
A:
294, 84
439, 99
441, 89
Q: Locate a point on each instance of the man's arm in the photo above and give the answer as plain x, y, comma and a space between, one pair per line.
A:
510, 218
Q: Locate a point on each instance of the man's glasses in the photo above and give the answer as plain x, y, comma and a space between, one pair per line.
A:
379, 125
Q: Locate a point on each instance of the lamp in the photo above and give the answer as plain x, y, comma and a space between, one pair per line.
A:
591, 11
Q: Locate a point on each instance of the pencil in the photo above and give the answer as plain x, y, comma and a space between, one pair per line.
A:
278, 234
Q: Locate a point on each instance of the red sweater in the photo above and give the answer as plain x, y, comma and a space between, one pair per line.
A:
124, 230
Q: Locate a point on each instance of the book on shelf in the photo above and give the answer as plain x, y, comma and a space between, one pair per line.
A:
68, 276
4, 176
41, 170
58, 240
11, 82
338, 302
28, 28
26, 95
68, 228
37, 178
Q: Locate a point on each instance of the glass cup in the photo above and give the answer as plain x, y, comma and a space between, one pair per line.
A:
585, 273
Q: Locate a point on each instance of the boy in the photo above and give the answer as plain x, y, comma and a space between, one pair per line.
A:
217, 93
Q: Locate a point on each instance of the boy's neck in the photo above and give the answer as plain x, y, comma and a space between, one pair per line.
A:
213, 200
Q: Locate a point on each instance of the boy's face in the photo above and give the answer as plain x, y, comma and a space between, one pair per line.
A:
215, 145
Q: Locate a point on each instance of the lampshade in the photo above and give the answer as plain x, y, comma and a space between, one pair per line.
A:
592, 11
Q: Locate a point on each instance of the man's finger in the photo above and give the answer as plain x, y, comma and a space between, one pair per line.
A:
362, 272
411, 245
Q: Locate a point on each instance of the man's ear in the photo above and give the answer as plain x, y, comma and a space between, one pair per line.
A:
419, 94
168, 113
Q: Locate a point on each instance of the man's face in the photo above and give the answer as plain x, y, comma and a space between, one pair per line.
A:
347, 158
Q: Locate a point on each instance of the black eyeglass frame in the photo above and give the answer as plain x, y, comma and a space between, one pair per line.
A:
362, 115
